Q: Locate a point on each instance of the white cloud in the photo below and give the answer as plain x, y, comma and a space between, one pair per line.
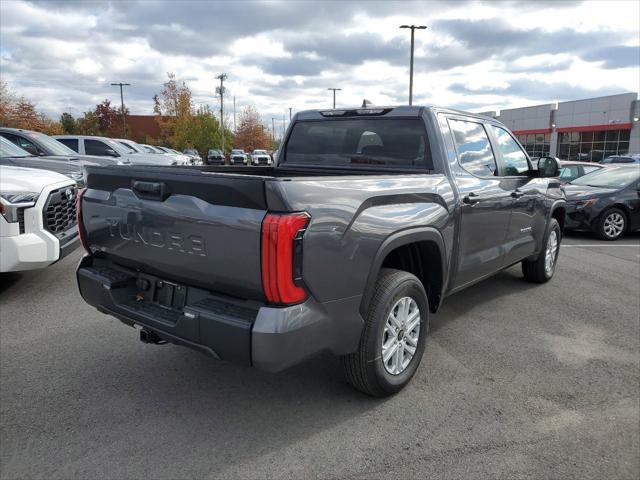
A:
286, 54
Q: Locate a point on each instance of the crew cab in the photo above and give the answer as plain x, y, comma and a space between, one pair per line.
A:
37, 218
368, 220
238, 156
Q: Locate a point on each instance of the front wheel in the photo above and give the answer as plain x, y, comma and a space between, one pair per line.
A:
612, 224
393, 339
542, 269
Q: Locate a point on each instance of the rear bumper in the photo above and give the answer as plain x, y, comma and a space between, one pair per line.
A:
578, 219
245, 332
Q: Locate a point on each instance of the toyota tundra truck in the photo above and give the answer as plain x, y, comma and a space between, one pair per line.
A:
368, 219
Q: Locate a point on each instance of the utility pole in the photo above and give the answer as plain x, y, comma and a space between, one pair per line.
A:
413, 28
282, 126
234, 114
334, 95
124, 124
220, 90
289, 113
273, 130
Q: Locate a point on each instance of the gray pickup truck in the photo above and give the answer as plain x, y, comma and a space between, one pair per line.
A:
368, 220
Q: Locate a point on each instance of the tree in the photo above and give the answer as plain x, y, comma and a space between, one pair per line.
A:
89, 124
19, 112
251, 133
173, 105
69, 124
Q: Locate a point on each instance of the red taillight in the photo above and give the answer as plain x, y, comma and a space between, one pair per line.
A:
81, 231
281, 257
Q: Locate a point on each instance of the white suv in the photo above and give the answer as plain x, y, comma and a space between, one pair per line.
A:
37, 218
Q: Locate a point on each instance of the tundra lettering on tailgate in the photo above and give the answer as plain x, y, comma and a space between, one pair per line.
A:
146, 236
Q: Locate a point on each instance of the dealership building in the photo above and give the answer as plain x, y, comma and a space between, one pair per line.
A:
588, 130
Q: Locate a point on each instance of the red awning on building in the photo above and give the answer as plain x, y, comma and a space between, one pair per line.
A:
597, 128
534, 132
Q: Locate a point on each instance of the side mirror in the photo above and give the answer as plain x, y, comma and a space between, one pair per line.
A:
548, 167
111, 152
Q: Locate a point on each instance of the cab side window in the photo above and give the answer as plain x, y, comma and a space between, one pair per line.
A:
515, 160
96, 147
474, 149
72, 143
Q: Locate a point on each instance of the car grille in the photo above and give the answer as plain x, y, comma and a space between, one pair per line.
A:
60, 210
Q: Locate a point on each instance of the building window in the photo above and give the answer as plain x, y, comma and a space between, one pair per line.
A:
536, 145
593, 146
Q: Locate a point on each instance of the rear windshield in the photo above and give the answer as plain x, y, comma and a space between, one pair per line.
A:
610, 177
361, 142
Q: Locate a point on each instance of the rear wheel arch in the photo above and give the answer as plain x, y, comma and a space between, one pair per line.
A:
419, 251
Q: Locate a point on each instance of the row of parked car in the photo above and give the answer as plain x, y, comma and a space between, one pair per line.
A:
238, 156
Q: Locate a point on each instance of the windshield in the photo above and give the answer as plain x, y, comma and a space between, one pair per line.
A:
128, 147
237, 151
51, 144
610, 177
9, 149
381, 142
260, 152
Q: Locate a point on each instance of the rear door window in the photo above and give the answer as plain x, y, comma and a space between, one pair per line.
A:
360, 142
72, 143
474, 149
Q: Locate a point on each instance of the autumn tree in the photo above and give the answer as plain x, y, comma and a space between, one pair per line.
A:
172, 106
251, 133
19, 112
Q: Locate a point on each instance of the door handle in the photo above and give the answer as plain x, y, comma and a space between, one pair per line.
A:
471, 198
149, 190
517, 194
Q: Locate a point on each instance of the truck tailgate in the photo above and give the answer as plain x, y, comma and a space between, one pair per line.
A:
181, 224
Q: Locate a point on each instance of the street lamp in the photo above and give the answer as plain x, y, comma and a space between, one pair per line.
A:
334, 95
413, 28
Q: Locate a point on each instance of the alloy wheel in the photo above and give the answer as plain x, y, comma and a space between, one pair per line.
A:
400, 336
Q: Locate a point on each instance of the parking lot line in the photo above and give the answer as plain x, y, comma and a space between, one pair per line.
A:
599, 245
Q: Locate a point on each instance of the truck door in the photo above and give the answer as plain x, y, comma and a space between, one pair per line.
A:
528, 214
484, 203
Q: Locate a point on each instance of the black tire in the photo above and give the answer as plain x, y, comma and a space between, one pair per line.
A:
364, 369
601, 230
535, 270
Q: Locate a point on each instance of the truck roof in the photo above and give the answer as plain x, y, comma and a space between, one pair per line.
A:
391, 111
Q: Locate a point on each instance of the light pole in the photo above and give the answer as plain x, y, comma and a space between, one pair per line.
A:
334, 95
124, 125
413, 28
289, 113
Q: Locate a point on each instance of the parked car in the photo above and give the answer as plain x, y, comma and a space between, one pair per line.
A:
371, 218
150, 150
37, 218
193, 153
216, 157
108, 147
633, 158
260, 157
39, 144
12, 155
605, 202
569, 171
238, 156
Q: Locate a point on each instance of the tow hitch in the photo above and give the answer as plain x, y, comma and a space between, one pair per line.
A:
147, 336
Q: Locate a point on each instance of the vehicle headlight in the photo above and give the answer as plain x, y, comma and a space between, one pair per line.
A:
12, 202
580, 204
19, 197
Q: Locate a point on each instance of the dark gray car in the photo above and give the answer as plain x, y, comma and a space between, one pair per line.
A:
371, 217
41, 145
605, 202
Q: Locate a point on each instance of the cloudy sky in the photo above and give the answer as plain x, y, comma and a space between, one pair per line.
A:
475, 56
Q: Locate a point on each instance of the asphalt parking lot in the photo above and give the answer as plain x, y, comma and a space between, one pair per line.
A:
518, 381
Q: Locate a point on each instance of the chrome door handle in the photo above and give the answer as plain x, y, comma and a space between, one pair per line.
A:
471, 198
